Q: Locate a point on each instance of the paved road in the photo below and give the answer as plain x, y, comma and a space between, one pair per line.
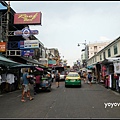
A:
85, 102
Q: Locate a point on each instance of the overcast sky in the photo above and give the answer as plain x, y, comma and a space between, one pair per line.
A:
65, 24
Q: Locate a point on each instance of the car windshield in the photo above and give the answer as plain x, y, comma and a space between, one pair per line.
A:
72, 75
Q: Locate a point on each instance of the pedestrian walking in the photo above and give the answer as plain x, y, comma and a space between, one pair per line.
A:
57, 79
53, 76
26, 88
37, 83
89, 78
84, 76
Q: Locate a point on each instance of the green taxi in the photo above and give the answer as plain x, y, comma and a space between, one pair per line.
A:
73, 79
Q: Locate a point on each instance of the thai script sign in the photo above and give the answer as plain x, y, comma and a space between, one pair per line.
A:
29, 44
2, 46
27, 52
32, 18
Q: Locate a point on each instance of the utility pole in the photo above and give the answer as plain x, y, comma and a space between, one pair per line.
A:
86, 51
7, 26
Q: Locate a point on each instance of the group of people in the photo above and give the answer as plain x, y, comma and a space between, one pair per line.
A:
26, 84
86, 76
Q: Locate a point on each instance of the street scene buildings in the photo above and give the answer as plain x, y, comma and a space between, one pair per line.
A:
18, 45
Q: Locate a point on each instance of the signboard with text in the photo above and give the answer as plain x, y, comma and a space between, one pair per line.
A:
29, 44
27, 52
2, 46
31, 18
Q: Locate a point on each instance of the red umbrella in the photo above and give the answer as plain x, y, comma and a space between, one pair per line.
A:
38, 68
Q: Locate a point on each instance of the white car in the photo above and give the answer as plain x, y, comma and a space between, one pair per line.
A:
62, 75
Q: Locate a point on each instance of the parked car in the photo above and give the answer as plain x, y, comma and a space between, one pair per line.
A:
62, 75
73, 79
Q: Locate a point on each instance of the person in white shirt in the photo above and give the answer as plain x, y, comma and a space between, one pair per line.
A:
10, 81
53, 76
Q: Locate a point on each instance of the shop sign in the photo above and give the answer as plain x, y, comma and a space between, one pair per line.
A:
52, 62
31, 18
2, 46
27, 52
44, 61
28, 44
50, 65
117, 67
26, 32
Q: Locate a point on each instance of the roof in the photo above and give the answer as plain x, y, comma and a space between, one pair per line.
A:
2, 7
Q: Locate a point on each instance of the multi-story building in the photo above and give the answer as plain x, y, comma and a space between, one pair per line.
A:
92, 49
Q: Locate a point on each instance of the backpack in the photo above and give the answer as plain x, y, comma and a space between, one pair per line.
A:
89, 76
57, 75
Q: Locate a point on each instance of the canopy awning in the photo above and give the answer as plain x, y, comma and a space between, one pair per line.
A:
91, 67
7, 62
2, 7
23, 66
33, 61
110, 60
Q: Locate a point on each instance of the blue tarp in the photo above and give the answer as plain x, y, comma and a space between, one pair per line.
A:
2, 7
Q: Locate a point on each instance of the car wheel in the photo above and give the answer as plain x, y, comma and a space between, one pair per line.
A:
66, 86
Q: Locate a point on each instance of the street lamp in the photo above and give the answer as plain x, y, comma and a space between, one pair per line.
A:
86, 51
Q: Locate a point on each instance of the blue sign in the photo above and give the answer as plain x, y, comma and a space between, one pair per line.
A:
27, 52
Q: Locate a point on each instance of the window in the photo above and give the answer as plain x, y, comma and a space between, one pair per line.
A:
104, 55
109, 52
95, 59
115, 49
95, 53
95, 47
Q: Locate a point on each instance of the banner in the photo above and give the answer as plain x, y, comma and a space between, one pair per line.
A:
116, 67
